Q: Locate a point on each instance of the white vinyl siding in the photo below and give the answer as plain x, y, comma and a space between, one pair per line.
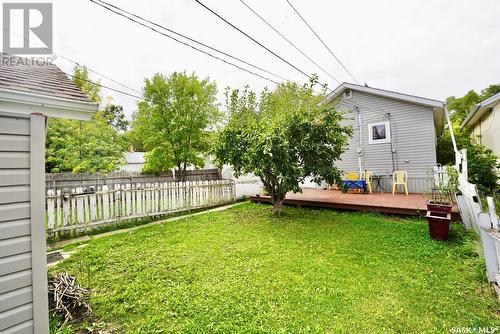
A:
16, 295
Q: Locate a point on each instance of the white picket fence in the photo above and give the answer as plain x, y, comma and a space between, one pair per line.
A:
81, 209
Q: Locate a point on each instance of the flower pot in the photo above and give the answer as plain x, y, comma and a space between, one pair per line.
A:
439, 224
438, 207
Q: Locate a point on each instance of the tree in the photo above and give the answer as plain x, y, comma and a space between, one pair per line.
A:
114, 116
482, 162
174, 121
462, 106
79, 146
81, 80
289, 134
132, 141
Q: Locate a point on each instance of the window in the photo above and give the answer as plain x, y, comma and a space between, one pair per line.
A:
347, 94
379, 133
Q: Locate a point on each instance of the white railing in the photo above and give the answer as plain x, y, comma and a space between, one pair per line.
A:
81, 209
486, 224
468, 199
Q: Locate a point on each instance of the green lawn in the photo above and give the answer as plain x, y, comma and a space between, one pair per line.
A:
311, 271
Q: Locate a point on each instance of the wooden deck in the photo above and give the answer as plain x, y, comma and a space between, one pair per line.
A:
411, 204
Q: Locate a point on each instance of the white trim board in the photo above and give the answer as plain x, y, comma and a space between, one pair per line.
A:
28, 103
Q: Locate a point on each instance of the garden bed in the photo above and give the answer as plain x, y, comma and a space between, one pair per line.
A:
245, 270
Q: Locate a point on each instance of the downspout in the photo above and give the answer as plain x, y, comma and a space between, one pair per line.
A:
393, 151
360, 142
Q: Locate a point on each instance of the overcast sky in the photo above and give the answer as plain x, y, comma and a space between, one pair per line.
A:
429, 48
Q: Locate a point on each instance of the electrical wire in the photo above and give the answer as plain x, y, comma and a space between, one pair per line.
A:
107, 87
193, 40
79, 64
252, 39
321, 40
288, 41
97, 73
186, 44
263, 46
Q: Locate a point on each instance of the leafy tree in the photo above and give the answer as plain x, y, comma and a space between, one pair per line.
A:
81, 79
462, 106
114, 116
174, 120
79, 146
482, 162
132, 141
287, 135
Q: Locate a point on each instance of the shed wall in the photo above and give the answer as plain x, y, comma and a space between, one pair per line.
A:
16, 293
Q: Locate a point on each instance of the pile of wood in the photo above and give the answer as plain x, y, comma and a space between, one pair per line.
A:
68, 299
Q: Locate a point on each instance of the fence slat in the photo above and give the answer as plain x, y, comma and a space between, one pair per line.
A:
51, 210
76, 210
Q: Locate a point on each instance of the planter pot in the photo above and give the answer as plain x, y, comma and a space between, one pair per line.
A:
439, 224
441, 208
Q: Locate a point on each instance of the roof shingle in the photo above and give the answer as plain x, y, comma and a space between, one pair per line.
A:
25, 75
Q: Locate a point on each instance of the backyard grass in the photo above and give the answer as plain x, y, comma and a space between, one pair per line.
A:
244, 270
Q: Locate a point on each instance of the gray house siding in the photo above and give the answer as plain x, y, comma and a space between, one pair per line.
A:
16, 292
413, 139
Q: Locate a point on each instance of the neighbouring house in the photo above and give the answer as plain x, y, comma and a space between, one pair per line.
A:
134, 161
391, 131
28, 95
484, 123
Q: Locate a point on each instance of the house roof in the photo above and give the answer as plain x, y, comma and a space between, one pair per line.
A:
480, 109
24, 81
386, 93
21, 75
436, 105
134, 157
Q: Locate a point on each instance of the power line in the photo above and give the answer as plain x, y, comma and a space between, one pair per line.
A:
193, 40
107, 87
187, 44
97, 73
288, 41
324, 44
78, 64
252, 39
260, 44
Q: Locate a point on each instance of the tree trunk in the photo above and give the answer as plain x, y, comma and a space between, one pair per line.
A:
184, 172
278, 207
178, 174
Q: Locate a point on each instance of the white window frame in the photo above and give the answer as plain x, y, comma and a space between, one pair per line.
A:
347, 94
387, 138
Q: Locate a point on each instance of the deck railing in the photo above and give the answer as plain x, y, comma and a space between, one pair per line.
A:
81, 209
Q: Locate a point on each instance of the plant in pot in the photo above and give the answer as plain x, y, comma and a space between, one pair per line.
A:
441, 203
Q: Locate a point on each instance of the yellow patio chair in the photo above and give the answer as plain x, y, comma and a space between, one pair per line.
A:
399, 178
351, 176
367, 176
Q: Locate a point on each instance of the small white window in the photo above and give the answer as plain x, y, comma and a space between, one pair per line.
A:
379, 133
347, 94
